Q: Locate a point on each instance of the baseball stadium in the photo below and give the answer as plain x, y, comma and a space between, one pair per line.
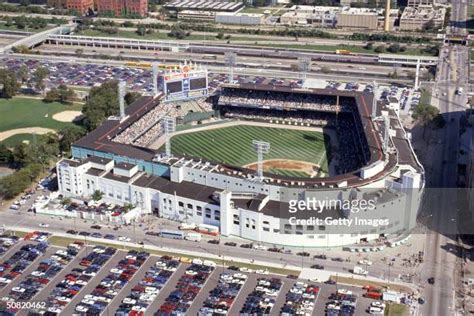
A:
235, 160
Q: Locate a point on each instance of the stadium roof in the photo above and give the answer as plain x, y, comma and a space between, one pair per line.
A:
101, 139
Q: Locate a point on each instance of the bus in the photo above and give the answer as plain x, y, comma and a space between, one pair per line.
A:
343, 52
172, 234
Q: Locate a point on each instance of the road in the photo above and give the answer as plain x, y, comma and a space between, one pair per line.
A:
29, 220
439, 205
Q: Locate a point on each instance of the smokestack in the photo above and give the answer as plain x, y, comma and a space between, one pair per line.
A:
121, 97
387, 17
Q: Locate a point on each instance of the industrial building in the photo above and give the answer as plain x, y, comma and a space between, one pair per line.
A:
422, 17
364, 18
416, 3
240, 18
318, 16
218, 6
195, 15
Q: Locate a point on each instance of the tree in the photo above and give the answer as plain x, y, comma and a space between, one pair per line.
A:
178, 32
9, 82
65, 94
424, 114
325, 69
66, 201
141, 30
102, 103
68, 135
379, 49
21, 49
6, 155
79, 52
369, 46
51, 96
23, 73
220, 35
131, 97
394, 48
39, 75
21, 154
97, 195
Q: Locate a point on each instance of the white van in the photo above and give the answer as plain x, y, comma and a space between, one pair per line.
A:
193, 237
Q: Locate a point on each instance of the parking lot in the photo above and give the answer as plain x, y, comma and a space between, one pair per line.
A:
99, 280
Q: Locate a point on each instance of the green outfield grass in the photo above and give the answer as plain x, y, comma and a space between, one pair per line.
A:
23, 112
233, 145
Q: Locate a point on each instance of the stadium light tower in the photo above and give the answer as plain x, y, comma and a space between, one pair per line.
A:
374, 101
229, 58
261, 148
169, 125
304, 65
122, 90
155, 79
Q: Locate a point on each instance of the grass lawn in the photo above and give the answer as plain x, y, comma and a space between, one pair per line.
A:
13, 27
425, 97
18, 138
23, 112
394, 309
470, 19
164, 36
233, 145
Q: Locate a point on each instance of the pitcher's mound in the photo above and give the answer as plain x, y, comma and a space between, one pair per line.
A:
67, 116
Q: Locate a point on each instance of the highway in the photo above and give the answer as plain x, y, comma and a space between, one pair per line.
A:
439, 203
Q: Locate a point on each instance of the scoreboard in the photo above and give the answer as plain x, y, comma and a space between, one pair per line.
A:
184, 83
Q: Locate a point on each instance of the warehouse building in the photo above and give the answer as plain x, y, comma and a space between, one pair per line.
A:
218, 6
240, 18
422, 18
193, 15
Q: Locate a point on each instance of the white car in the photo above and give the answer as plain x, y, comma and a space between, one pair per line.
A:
171, 269
261, 271
5, 280
129, 300
378, 304
18, 289
191, 272
55, 310
81, 309
365, 262
259, 247
123, 238
43, 225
